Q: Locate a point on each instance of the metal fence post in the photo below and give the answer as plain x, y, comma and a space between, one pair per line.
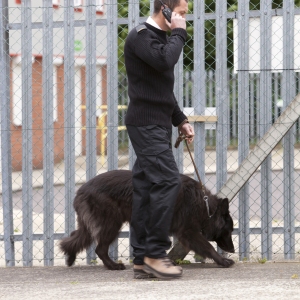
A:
112, 85
69, 115
48, 168
26, 42
265, 121
6, 168
243, 122
112, 97
199, 88
221, 95
91, 99
288, 93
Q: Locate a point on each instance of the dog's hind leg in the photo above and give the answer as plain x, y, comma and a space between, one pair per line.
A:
105, 238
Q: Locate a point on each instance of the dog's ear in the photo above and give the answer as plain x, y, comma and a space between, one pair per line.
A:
224, 206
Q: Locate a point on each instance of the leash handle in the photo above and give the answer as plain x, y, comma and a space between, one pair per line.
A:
180, 138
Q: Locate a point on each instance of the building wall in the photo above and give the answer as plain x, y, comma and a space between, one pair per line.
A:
58, 124
37, 92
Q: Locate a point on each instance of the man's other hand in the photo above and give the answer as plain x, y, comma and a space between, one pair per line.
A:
188, 130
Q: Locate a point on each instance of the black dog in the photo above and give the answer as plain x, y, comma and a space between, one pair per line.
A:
104, 203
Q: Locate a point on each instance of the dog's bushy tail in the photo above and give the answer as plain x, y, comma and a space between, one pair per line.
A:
79, 240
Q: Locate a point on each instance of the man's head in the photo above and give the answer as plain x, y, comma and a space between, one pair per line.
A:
172, 4
180, 7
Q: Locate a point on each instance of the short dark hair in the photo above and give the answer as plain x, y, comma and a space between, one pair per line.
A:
170, 3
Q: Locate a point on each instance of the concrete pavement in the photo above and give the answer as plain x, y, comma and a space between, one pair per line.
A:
200, 281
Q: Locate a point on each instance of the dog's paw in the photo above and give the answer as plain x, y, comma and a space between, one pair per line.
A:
226, 263
118, 266
121, 266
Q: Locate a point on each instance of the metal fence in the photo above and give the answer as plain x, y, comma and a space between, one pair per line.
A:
63, 99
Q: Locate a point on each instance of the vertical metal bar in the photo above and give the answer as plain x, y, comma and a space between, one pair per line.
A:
6, 169
178, 92
112, 97
276, 97
48, 144
90, 27
221, 93
243, 122
91, 98
288, 88
265, 121
211, 80
257, 80
151, 7
187, 89
234, 112
229, 93
69, 114
199, 87
252, 115
112, 85
133, 21
26, 44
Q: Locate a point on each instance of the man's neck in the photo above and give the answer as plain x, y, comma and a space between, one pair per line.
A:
159, 19
153, 23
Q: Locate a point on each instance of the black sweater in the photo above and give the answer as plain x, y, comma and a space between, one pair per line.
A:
150, 57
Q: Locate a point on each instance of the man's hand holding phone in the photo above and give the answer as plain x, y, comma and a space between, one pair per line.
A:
177, 21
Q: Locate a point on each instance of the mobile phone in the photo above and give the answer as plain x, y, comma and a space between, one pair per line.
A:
167, 12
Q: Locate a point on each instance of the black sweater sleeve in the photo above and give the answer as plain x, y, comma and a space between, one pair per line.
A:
160, 56
178, 116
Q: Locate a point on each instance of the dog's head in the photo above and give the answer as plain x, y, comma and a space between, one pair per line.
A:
221, 226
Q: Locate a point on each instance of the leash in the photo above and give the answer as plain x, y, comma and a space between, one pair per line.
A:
180, 138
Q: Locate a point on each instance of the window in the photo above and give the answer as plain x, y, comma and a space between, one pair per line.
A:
17, 89
78, 5
99, 6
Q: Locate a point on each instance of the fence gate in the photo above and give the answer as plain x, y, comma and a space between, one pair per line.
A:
63, 90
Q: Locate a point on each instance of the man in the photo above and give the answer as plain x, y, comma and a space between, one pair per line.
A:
150, 57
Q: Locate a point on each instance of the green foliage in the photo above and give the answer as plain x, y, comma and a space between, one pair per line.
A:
262, 260
94, 261
182, 262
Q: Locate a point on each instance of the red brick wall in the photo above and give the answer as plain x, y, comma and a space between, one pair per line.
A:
37, 118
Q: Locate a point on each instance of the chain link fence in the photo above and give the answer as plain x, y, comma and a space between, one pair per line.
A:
64, 98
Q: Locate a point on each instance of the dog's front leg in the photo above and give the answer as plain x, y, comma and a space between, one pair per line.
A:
201, 246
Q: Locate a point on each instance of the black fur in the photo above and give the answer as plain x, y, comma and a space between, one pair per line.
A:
104, 203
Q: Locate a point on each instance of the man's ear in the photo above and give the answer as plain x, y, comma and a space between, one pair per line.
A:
224, 206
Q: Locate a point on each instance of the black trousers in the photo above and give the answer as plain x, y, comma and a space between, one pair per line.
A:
156, 183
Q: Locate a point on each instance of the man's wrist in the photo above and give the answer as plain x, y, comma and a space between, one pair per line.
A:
182, 123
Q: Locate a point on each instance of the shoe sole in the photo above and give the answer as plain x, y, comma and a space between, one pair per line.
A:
160, 275
141, 274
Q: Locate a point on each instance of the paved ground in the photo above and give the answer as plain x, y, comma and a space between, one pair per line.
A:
200, 281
